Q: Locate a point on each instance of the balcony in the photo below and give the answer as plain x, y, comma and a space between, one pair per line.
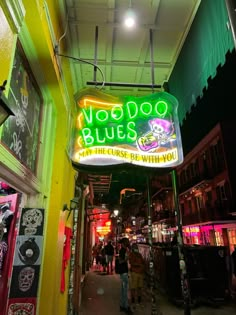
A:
205, 176
195, 181
164, 215
216, 213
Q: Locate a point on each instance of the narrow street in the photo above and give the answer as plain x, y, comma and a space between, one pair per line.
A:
100, 296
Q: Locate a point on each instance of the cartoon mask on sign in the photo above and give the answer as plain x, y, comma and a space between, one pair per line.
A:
26, 278
160, 134
161, 128
32, 218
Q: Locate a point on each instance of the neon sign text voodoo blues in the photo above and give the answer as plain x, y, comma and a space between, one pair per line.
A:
137, 130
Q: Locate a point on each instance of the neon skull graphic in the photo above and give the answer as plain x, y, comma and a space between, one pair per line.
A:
160, 134
162, 129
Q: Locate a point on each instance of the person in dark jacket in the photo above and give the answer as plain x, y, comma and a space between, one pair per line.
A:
109, 252
103, 259
233, 256
123, 270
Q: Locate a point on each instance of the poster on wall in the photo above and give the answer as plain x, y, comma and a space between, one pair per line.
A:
10, 232
21, 306
24, 281
27, 256
20, 133
28, 250
136, 130
32, 221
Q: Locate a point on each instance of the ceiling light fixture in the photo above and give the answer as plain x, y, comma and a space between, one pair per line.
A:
129, 17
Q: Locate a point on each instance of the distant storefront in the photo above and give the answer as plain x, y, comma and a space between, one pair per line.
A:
211, 233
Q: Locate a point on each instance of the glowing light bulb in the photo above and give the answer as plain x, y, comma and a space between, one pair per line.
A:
129, 19
129, 22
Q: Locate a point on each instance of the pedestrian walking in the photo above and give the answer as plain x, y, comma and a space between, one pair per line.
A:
137, 269
233, 256
103, 259
123, 271
109, 252
94, 253
98, 256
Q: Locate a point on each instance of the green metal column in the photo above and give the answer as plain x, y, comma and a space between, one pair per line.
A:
180, 244
154, 310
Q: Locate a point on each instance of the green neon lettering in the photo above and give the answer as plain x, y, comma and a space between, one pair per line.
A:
132, 109
117, 113
120, 132
131, 132
88, 138
88, 115
102, 140
161, 108
101, 116
146, 108
112, 135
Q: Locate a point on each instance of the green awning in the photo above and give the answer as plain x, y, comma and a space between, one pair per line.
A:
208, 41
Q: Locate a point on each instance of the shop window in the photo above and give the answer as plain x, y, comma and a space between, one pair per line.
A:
219, 238
208, 199
221, 192
209, 195
232, 238
182, 178
190, 206
217, 157
188, 177
192, 170
199, 202
196, 168
21, 132
205, 159
182, 209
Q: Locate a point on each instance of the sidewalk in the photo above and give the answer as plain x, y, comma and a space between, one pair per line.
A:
101, 296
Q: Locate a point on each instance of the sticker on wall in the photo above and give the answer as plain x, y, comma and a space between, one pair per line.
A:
28, 255
28, 250
137, 130
19, 306
24, 282
32, 220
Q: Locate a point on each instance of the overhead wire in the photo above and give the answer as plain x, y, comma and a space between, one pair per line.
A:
57, 52
84, 61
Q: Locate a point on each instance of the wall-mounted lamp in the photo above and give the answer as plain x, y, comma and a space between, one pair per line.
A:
73, 205
5, 111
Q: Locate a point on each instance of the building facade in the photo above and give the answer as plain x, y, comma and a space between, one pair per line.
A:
206, 193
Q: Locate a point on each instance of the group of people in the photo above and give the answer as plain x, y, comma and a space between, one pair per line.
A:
131, 268
103, 256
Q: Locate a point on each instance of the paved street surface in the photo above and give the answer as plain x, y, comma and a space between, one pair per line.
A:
100, 296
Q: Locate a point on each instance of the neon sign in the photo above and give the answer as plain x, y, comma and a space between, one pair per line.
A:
105, 229
137, 130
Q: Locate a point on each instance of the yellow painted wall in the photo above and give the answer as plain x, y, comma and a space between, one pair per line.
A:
7, 40
61, 188
51, 301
